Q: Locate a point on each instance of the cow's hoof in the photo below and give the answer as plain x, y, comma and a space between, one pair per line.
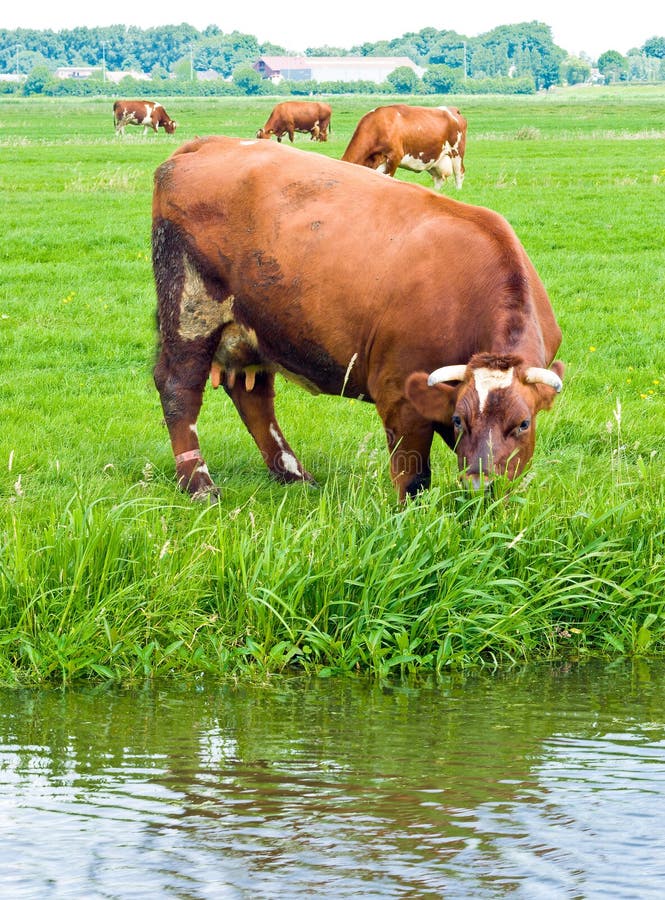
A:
292, 478
208, 494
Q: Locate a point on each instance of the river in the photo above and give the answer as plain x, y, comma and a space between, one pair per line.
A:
546, 781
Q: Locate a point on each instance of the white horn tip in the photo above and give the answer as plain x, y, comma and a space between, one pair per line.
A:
447, 373
544, 376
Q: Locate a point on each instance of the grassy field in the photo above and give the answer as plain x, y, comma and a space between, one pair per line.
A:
107, 571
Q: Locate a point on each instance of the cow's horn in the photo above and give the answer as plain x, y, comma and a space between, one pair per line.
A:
447, 373
535, 375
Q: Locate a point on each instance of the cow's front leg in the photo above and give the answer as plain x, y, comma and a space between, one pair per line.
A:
253, 395
181, 393
409, 440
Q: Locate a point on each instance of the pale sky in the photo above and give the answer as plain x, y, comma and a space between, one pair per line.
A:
577, 25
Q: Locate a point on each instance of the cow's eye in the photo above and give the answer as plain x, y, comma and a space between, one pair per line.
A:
524, 425
457, 422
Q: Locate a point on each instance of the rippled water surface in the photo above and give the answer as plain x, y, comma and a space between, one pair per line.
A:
546, 782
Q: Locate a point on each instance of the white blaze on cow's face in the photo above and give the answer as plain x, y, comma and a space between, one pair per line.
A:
493, 425
486, 380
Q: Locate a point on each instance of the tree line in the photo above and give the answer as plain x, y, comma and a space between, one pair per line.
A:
508, 59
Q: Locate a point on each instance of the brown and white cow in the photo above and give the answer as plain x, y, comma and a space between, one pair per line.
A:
141, 112
306, 116
268, 259
417, 138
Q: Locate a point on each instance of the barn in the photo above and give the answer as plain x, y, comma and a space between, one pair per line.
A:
332, 68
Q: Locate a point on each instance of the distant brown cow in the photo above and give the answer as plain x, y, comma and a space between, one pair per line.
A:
428, 307
417, 138
141, 112
305, 116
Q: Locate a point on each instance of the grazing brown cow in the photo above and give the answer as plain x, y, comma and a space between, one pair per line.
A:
417, 138
295, 115
141, 112
271, 260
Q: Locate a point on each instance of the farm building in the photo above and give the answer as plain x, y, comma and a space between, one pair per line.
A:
332, 68
90, 71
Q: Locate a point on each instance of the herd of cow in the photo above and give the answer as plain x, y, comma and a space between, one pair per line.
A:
417, 138
268, 259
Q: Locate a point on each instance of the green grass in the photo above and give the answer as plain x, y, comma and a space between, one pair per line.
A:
106, 571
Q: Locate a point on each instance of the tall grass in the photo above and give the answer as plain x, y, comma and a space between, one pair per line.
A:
106, 571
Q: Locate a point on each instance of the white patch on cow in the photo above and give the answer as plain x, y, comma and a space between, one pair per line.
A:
415, 164
276, 436
200, 315
487, 380
193, 429
288, 461
247, 143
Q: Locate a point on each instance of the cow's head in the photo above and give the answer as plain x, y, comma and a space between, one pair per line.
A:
262, 133
491, 406
170, 126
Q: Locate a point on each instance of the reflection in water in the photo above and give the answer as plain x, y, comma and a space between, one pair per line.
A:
547, 782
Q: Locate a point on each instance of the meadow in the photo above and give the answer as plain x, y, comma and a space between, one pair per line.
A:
108, 572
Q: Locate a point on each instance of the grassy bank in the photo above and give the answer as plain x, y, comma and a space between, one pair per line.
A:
107, 571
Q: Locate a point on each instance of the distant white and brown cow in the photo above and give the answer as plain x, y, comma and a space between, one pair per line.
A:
427, 307
305, 116
141, 112
417, 138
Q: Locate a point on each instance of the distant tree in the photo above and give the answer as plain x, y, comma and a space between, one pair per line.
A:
424, 40
379, 48
182, 69
449, 51
37, 81
613, 66
325, 50
575, 70
304, 87
655, 46
269, 49
440, 79
247, 80
404, 80
158, 73
485, 63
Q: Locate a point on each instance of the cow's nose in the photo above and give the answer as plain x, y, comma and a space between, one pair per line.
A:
476, 481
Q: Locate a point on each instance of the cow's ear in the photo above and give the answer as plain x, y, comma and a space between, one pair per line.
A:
435, 403
558, 367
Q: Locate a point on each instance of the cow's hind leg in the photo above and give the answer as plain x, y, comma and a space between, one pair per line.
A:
190, 321
257, 410
180, 379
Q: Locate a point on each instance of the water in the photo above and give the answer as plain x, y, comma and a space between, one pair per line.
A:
547, 782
